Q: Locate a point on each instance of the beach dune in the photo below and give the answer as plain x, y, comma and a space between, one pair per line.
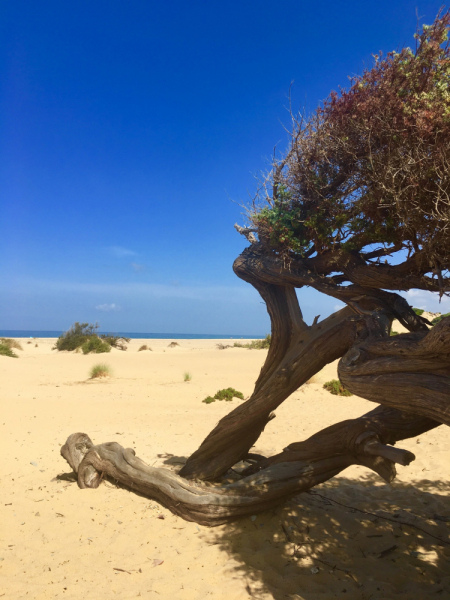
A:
353, 535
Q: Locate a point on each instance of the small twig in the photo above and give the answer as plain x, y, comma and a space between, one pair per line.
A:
122, 570
336, 568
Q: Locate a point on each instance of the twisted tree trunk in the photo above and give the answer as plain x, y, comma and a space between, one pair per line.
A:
300, 467
408, 374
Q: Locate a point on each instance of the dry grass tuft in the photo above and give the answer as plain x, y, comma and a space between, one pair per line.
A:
100, 370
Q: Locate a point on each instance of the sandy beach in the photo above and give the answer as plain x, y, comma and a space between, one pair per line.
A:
353, 537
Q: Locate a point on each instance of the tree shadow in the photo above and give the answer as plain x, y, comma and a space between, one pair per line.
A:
354, 538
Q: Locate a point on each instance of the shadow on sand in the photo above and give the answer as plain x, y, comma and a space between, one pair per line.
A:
347, 538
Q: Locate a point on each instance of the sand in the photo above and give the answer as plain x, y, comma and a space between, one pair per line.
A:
353, 537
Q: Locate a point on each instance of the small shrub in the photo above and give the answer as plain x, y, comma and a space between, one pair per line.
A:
187, 376
419, 311
208, 400
76, 336
225, 394
255, 344
5, 350
335, 387
100, 370
11, 343
36, 346
173, 344
438, 319
393, 332
95, 345
143, 347
221, 346
116, 341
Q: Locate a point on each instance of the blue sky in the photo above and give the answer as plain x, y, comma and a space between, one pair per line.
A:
127, 130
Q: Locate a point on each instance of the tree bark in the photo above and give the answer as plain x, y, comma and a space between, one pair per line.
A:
410, 372
300, 467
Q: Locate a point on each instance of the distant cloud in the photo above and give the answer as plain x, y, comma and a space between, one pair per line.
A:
120, 252
137, 267
338, 306
107, 307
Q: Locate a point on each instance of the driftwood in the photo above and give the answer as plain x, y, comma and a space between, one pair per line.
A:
407, 374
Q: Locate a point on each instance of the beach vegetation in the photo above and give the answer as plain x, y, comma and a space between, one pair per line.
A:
95, 345
419, 311
11, 343
115, 341
226, 394
438, 319
84, 335
335, 387
100, 370
187, 376
6, 350
255, 344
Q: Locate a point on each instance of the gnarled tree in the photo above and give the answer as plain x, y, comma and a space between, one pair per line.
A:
358, 209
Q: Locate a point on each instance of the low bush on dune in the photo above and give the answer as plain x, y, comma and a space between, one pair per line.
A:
419, 311
144, 347
438, 319
10, 343
226, 394
116, 341
95, 345
335, 387
100, 370
85, 336
255, 344
187, 376
5, 350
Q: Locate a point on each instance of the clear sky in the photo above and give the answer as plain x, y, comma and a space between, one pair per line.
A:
127, 130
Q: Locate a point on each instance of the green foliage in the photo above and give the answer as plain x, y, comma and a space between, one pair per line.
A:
95, 345
187, 376
255, 344
438, 319
226, 394
100, 370
335, 387
5, 350
208, 400
76, 336
85, 336
338, 188
418, 311
10, 343
393, 332
116, 341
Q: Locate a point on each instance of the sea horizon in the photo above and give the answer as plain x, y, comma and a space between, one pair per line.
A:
31, 333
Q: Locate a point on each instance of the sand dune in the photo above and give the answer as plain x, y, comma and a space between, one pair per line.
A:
354, 535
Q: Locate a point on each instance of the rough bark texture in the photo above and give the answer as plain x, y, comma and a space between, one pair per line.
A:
300, 467
408, 374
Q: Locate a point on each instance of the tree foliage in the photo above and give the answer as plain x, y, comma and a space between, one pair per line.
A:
371, 165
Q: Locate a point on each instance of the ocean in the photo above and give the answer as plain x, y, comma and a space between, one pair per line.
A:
25, 333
